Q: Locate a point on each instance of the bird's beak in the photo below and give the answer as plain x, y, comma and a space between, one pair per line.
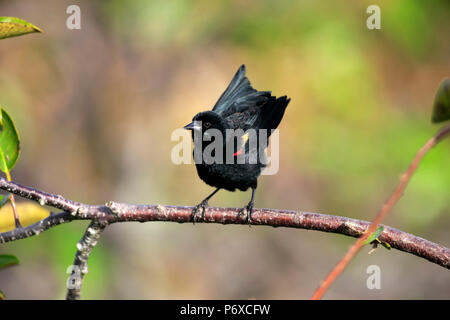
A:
194, 125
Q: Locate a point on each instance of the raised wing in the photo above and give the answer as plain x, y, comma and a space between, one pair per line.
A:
239, 95
267, 116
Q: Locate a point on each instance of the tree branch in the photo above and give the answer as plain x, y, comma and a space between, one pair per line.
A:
114, 212
43, 198
80, 264
36, 228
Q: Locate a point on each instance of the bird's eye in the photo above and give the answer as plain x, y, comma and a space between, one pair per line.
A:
207, 125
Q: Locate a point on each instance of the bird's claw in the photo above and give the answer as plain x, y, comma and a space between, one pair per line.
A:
202, 205
247, 210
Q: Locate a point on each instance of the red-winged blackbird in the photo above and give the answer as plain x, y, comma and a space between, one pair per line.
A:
239, 107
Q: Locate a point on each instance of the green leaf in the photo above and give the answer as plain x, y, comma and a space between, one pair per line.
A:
8, 260
4, 199
2, 295
9, 143
374, 235
13, 27
441, 105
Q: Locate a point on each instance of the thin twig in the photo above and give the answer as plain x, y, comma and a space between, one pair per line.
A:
80, 264
12, 200
43, 198
16, 215
36, 228
396, 195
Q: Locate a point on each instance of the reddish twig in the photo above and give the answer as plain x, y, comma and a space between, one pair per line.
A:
16, 216
318, 294
11, 199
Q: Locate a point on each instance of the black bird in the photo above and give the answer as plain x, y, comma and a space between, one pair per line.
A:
239, 107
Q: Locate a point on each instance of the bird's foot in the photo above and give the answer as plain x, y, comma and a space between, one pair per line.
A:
247, 210
201, 206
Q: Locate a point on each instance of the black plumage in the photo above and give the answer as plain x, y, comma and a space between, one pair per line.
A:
239, 107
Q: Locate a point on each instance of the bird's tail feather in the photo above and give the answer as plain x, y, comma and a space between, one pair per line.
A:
273, 112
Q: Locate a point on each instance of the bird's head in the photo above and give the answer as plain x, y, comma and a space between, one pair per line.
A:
206, 120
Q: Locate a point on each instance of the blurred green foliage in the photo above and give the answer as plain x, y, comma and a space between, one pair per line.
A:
441, 105
8, 260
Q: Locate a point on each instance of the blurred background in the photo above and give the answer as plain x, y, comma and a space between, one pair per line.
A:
95, 109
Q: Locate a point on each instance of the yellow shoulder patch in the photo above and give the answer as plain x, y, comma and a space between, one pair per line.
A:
244, 138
